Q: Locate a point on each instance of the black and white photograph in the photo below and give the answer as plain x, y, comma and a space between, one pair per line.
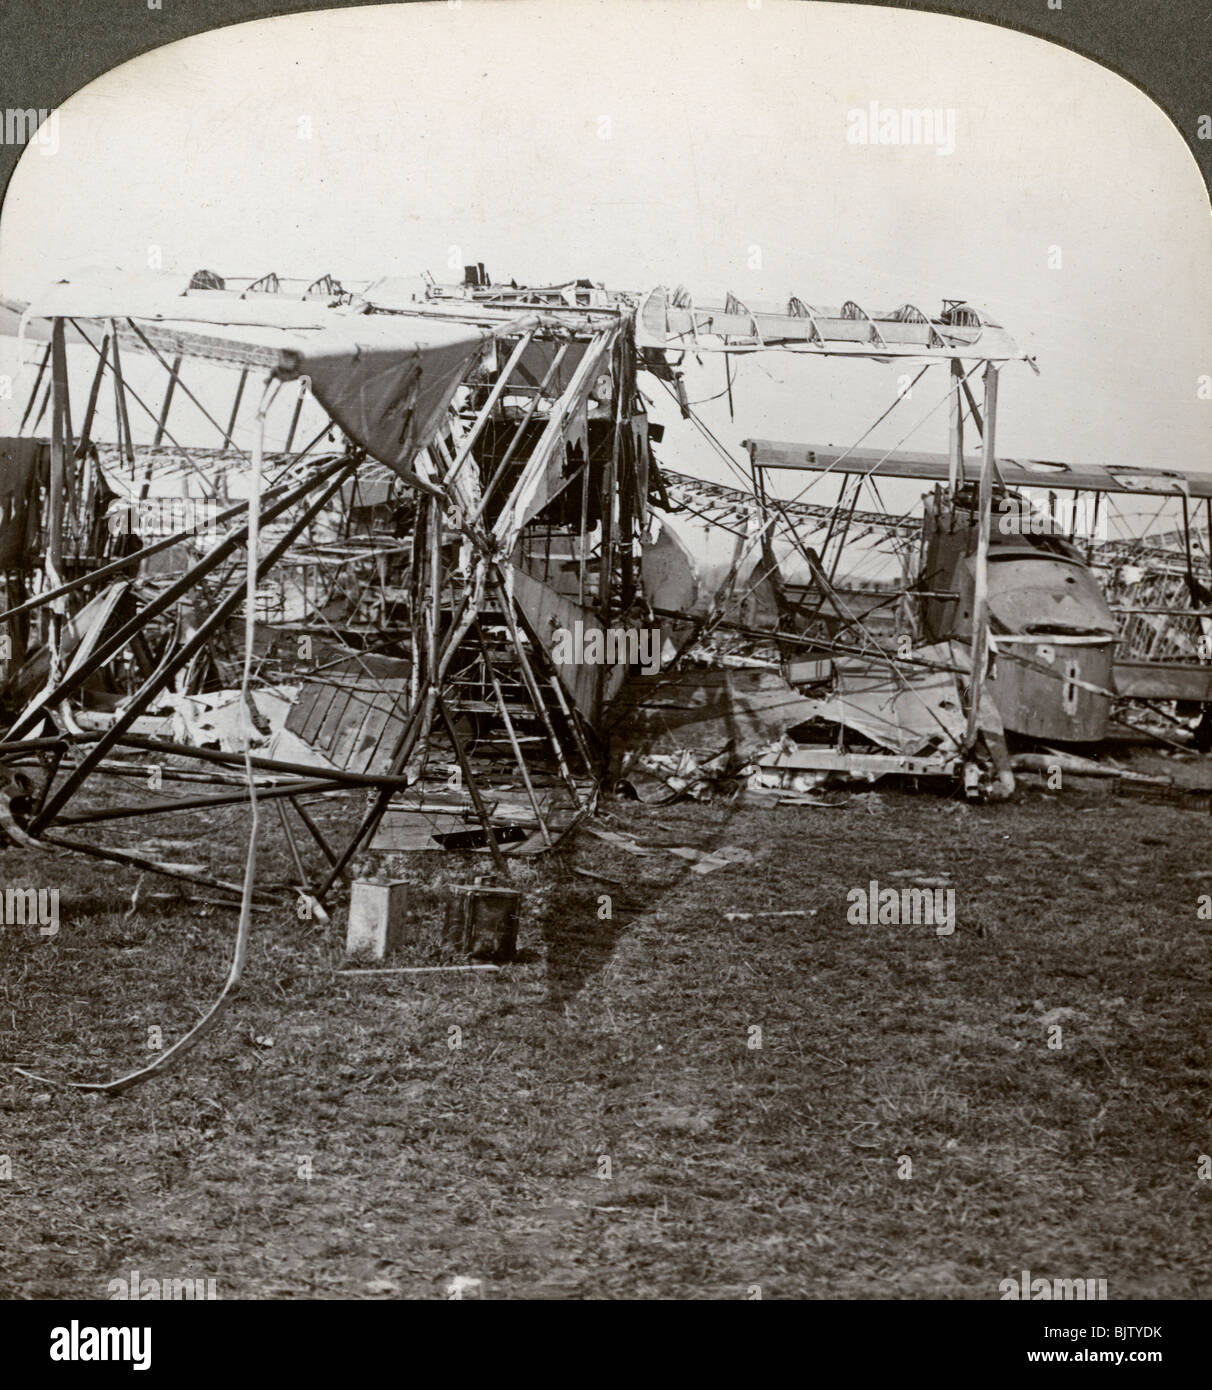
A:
605, 666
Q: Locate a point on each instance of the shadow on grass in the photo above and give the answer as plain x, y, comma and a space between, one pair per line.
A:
579, 941
585, 919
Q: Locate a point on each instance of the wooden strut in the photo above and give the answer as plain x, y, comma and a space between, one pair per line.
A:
33, 395
606, 511
56, 757
173, 373
955, 434
573, 719
235, 409
86, 429
126, 447
337, 777
294, 419
316, 833
498, 858
61, 449
980, 588
845, 531
536, 694
138, 861
513, 737
115, 768
121, 390
151, 347
304, 887
192, 803
582, 553
46, 395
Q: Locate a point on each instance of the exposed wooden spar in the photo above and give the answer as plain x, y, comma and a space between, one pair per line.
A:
980, 601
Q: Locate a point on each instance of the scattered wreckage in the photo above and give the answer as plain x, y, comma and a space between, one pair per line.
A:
397, 615
494, 498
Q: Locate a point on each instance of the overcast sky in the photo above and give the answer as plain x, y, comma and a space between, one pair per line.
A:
702, 143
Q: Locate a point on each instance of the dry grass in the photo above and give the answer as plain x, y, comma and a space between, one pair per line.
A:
628, 1039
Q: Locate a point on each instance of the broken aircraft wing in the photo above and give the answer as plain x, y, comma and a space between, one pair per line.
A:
902, 463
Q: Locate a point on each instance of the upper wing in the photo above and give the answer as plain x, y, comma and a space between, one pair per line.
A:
675, 323
1076, 477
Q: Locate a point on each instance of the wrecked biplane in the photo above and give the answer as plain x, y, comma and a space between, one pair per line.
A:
985, 581
490, 483
491, 491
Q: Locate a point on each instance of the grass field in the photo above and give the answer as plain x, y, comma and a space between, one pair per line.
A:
606, 1127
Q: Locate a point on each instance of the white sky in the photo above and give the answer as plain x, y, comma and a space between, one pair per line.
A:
479, 127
